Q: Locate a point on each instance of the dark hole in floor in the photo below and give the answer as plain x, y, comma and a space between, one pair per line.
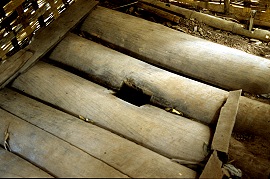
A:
133, 95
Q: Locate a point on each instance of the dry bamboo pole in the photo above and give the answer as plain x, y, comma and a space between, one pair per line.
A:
194, 99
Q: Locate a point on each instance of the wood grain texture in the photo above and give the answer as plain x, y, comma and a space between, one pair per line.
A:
213, 167
50, 153
9, 67
165, 133
127, 157
226, 121
200, 59
12, 166
197, 100
44, 42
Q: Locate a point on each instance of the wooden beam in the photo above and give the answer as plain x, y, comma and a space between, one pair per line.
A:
50, 153
122, 154
47, 38
168, 134
226, 121
173, 50
12, 166
196, 100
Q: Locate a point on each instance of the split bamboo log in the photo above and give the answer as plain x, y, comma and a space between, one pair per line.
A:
196, 100
212, 21
122, 154
213, 63
50, 153
165, 133
12, 166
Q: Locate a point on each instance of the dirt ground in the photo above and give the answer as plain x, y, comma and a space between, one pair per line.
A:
249, 153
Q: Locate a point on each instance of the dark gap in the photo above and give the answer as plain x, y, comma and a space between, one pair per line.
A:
133, 95
77, 72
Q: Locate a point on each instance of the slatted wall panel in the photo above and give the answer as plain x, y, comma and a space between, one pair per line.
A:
20, 19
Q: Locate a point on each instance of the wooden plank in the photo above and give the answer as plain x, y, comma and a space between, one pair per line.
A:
127, 157
50, 153
11, 65
57, 30
226, 122
12, 166
230, 68
196, 100
213, 167
165, 133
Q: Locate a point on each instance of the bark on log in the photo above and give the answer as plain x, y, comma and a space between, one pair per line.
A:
194, 99
212, 21
49, 152
165, 133
12, 166
219, 65
125, 156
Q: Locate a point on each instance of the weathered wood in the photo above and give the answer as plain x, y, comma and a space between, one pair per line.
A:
44, 42
194, 99
50, 153
213, 167
238, 12
217, 64
212, 21
254, 166
165, 133
127, 157
226, 121
10, 66
12, 166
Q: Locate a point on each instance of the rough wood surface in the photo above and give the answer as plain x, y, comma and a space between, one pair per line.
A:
213, 168
247, 161
226, 122
50, 153
210, 62
46, 39
12, 166
212, 21
194, 99
165, 133
127, 157
235, 11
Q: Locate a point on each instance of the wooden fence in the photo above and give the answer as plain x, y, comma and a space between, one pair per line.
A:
20, 19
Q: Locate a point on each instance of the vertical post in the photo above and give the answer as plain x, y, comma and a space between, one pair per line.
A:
226, 6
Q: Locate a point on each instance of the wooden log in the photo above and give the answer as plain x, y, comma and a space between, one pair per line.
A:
216, 64
12, 166
252, 165
196, 100
125, 156
165, 133
43, 43
50, 153
212, 21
